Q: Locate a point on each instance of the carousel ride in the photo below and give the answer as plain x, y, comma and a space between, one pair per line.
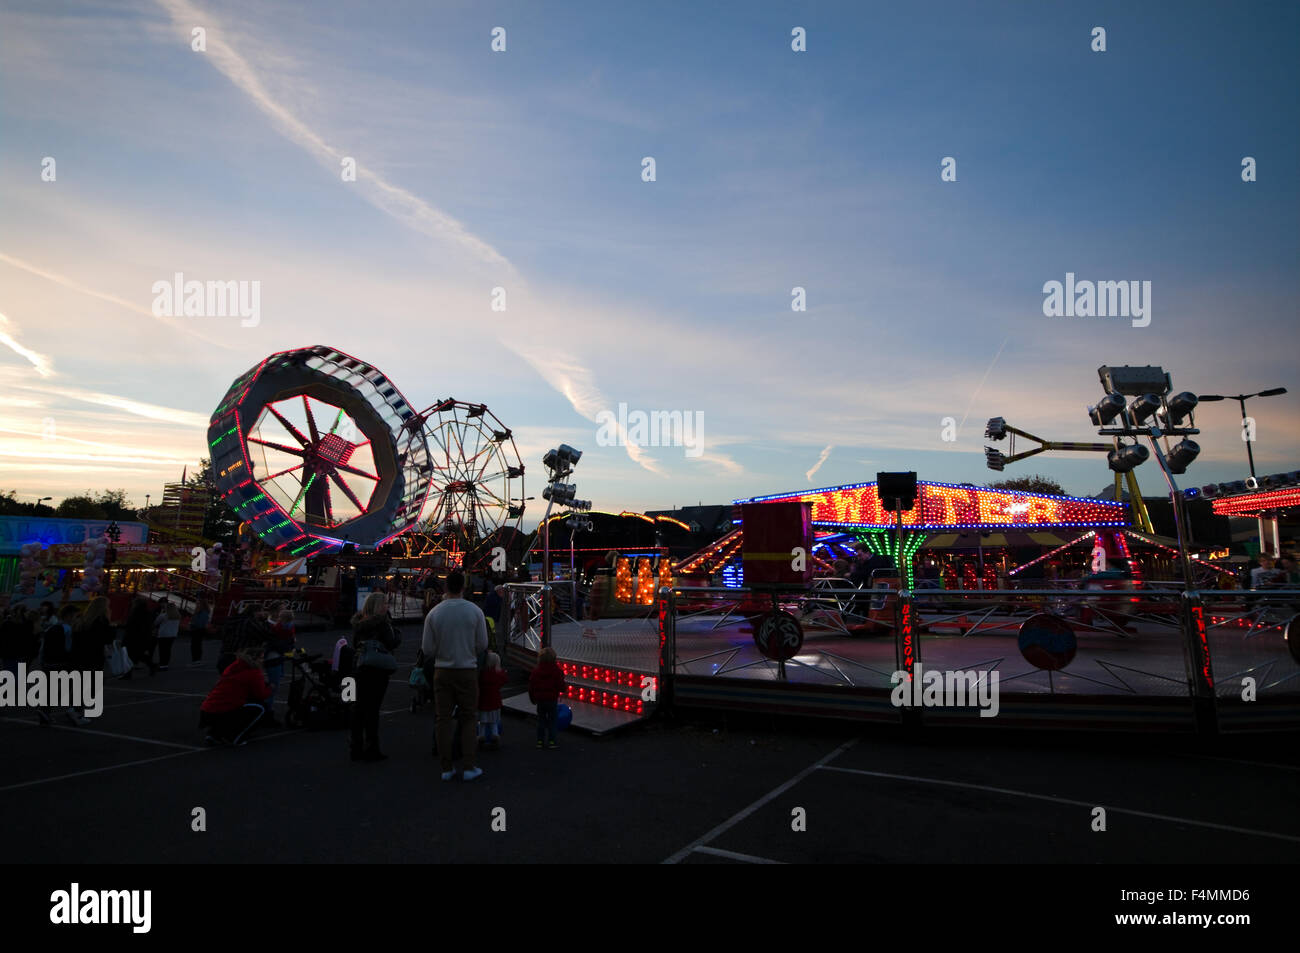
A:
314, 449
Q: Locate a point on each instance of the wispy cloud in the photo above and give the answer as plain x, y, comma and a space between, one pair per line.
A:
403, 205
820, 460
43, 364
69, 283
138, 408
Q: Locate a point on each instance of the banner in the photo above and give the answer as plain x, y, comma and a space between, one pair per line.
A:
129, 556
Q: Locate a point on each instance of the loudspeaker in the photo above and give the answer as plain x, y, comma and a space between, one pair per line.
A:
897, 491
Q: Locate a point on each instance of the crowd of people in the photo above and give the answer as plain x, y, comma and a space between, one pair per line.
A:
457, 660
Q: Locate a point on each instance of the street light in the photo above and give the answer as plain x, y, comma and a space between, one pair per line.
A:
1241, 399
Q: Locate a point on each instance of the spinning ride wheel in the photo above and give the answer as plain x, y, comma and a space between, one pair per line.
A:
313, 448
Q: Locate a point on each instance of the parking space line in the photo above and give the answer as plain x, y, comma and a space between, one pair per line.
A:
111, 767
774, 793
154, 691
733, 855
1061, 800
92, 731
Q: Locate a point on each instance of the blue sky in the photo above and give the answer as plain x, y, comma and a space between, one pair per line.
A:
775, 169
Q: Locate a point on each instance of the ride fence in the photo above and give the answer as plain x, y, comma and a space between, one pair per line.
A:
1207, 660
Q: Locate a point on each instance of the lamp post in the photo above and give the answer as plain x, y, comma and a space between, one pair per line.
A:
42, 500
1241, 399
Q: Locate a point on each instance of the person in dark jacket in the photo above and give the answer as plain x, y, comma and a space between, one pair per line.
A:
91, 634
246, 630
139, 638
198, 629
545, 685
371, 623
238, 701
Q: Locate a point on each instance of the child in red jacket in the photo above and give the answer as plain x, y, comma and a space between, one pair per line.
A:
545, 686
490, 682
238, 701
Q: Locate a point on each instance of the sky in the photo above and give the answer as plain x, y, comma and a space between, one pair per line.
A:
522, 169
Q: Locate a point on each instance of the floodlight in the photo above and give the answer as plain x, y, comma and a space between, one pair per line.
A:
569, 455
559, 492
1180, 405
1144, 407
551, 460
1181, 457
1107, 409
1125, 458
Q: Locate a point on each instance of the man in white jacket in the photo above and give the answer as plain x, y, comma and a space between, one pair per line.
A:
455, 634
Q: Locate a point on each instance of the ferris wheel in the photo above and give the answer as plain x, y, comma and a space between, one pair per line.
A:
477, 496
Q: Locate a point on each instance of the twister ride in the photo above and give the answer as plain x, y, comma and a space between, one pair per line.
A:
314, 449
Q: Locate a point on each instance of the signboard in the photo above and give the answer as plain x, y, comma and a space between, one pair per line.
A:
1047, 642
129, 556
50, 531
779, 636
946, 506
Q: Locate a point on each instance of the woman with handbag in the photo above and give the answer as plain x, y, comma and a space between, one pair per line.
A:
373, 641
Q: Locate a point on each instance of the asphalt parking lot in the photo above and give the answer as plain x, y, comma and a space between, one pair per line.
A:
705, 790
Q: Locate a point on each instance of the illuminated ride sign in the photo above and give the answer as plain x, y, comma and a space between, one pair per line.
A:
942, 506
1253, 504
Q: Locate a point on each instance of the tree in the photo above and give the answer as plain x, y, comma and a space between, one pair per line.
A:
84, 506
115, 505
1030, 484
219, 521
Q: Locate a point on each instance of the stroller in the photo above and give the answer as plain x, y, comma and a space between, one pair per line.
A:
315, 693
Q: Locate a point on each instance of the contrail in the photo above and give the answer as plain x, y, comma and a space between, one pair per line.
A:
981, 384
397, 202
44, 366
820, 460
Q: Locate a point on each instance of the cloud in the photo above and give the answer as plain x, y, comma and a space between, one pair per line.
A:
138, 408
43, 364
820, 460
408, 208
110, 298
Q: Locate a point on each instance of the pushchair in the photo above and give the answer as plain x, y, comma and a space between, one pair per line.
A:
315, 693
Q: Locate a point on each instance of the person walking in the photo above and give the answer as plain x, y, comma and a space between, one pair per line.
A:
166, 628
91, 634
198, 629
138, 637
373, 641
455, 634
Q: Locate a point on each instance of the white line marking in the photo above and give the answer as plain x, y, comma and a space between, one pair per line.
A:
776, 792
1062, 800
111, 767
1257, 764
92, 731
154, 691
733, 855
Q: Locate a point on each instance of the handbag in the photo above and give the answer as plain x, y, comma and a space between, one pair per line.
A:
120, 661
375, 655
